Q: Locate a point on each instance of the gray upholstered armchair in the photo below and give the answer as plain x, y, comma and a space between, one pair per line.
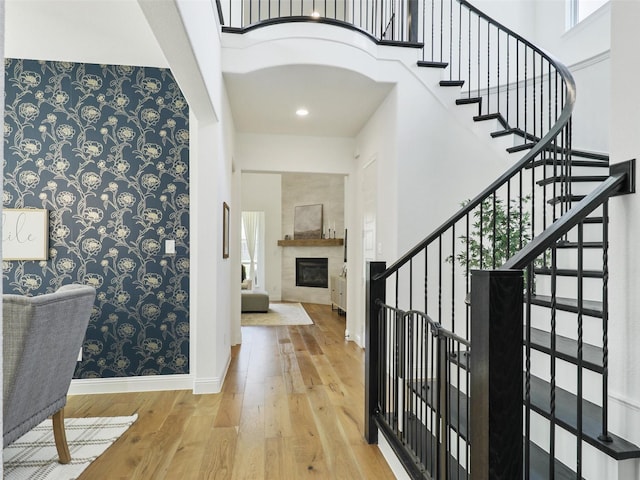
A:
42, 337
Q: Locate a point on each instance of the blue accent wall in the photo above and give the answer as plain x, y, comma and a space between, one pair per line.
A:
105, 148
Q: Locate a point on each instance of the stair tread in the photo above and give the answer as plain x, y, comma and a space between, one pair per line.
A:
566, 416
565, 244
575, 163
492, 116
567, 349
569, 272
520, 148
589, 307
516, 131
428, 64
565, 413
467, 101
565, 198
572, 179
451, 83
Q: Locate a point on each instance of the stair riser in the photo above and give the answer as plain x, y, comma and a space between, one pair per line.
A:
565, 442
567, 324
592, 232
567, 287
566, 376
595, 464
567, 258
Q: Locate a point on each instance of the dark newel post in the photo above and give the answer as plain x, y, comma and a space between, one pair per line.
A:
376, 290
496, 374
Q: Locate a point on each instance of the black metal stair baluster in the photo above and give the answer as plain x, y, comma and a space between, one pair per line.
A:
507, 85
453, 278
526, 93
488, 70
604, 436
508, 222
433, 29
533, 89
467, 279
580, 337
494, 227
517, 123
440, 279
408, 378
431, 400
481, 235
411, 284
541, 96
451, 40
459, 41
520, 209
469, 59
478, 85
441, 30
426, 280
527, 394
552, 391
498, 72
416, 377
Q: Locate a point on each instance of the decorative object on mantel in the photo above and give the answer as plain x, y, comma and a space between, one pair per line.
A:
307, 222
311, 242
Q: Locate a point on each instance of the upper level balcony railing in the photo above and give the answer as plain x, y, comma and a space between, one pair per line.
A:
383, 20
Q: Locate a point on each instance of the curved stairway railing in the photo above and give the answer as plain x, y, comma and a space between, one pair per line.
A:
419, 327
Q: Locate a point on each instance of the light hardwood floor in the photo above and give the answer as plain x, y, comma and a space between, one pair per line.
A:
291, 407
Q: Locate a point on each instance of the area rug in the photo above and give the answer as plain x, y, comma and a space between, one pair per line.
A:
278, 314
34, 456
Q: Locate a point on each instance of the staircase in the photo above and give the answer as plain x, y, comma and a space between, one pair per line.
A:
546, 216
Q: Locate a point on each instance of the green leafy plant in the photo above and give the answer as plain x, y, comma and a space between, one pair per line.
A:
497, 232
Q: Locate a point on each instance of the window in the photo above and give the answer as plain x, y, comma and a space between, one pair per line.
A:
581, 9
253, 238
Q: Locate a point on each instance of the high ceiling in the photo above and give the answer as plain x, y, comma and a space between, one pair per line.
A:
265, 101
339, 101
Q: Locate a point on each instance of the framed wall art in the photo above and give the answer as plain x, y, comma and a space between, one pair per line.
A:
307, 222
25, 234
225, 230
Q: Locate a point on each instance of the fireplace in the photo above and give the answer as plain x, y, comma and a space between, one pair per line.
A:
312, 272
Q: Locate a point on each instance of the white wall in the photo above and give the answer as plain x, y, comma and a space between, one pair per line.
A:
624, 280
290, 153
262, 192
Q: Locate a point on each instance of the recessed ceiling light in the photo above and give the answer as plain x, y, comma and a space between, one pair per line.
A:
302, 112
315, 14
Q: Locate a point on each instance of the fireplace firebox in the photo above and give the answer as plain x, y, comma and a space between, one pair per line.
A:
312, 272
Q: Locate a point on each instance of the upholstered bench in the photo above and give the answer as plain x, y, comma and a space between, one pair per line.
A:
255, 301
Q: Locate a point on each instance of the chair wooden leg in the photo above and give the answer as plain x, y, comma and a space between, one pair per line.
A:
60, 436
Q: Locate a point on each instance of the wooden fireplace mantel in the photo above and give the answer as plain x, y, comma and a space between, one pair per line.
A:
312, 242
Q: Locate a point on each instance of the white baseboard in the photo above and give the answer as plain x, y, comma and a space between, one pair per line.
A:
150, 383
391, 458
203, 386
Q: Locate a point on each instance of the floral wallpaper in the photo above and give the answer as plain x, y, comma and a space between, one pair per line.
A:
105, 148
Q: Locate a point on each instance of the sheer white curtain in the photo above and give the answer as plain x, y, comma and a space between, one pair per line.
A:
251, 224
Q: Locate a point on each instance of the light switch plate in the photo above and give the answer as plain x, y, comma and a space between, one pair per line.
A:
170, 247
